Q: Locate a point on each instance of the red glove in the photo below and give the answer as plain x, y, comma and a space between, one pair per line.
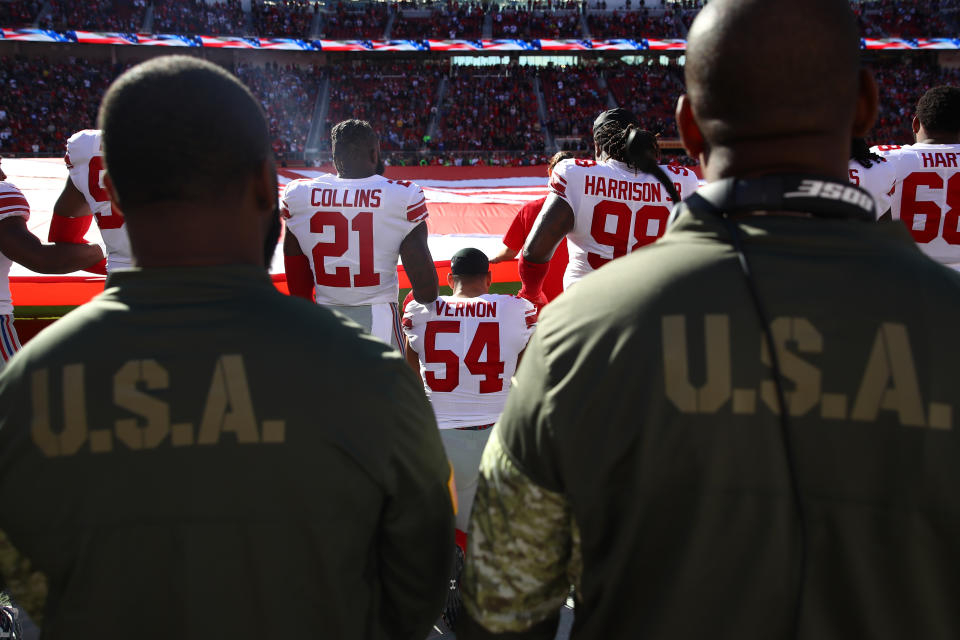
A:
72, 230
532, 275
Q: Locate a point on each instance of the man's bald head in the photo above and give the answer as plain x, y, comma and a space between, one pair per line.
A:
773, 69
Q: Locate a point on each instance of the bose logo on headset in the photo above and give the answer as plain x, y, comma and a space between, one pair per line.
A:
832, 191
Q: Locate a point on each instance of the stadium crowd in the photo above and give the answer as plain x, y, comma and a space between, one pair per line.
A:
126, 16
453, 21
485, 114
287, 18
19, 13
397, 98
490, 107
364, 23
225, 17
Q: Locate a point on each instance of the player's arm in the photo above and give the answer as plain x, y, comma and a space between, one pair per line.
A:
71, 219
555, 221
418, 263
413, 360
297, 267
21, 246
512, 240
505, 254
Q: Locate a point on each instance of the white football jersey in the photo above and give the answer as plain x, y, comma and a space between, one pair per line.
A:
616, 209
926, 196
468, 350
12, 203
85, 161
351, 231
878, 180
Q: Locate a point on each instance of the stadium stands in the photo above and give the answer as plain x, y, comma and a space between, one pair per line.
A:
19, 13
899, 19
902, 80
649, 91
451, 21
198, 17
44, 102
573, 99
286, 19
368, 23
288, 95
524, 25
491, 107
395, 97
96, 15
634, 24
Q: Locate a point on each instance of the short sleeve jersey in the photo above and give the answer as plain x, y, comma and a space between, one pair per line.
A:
878, 180
12, 204
468, 350
351, 231
925, 196
85, 162
617, 210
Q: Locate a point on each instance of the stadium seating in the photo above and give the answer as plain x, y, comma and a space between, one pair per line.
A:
902, 80
225, 17
44, 102
395, 97
573, 99
19, 13
289, 95
285, 19
96, 15
524, 25
491, 107
451, 21
634, 24
368, 23
899, 19
649, 91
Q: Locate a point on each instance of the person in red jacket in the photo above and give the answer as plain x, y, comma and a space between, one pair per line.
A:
519, 230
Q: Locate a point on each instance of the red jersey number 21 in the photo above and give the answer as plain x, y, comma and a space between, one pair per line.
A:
362, 224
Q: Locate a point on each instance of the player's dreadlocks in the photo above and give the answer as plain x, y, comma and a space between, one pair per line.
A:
613, 139
617, 136
860, 151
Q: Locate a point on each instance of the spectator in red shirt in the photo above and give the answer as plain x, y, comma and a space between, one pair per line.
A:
519, 230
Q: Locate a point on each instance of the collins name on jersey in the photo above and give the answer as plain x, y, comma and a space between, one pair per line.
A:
85, 163
468, 349
351, 231
617, 210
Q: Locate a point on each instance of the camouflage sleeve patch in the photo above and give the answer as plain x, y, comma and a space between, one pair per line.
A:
519, 548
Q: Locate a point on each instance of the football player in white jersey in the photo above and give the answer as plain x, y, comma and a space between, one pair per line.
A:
872, 173
606, 209
466, 347
926, 197
84, 198
346, 231
17, 244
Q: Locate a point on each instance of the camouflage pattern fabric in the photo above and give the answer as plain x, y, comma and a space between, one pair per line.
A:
523, 549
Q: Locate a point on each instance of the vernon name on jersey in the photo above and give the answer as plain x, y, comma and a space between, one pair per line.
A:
469, 309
